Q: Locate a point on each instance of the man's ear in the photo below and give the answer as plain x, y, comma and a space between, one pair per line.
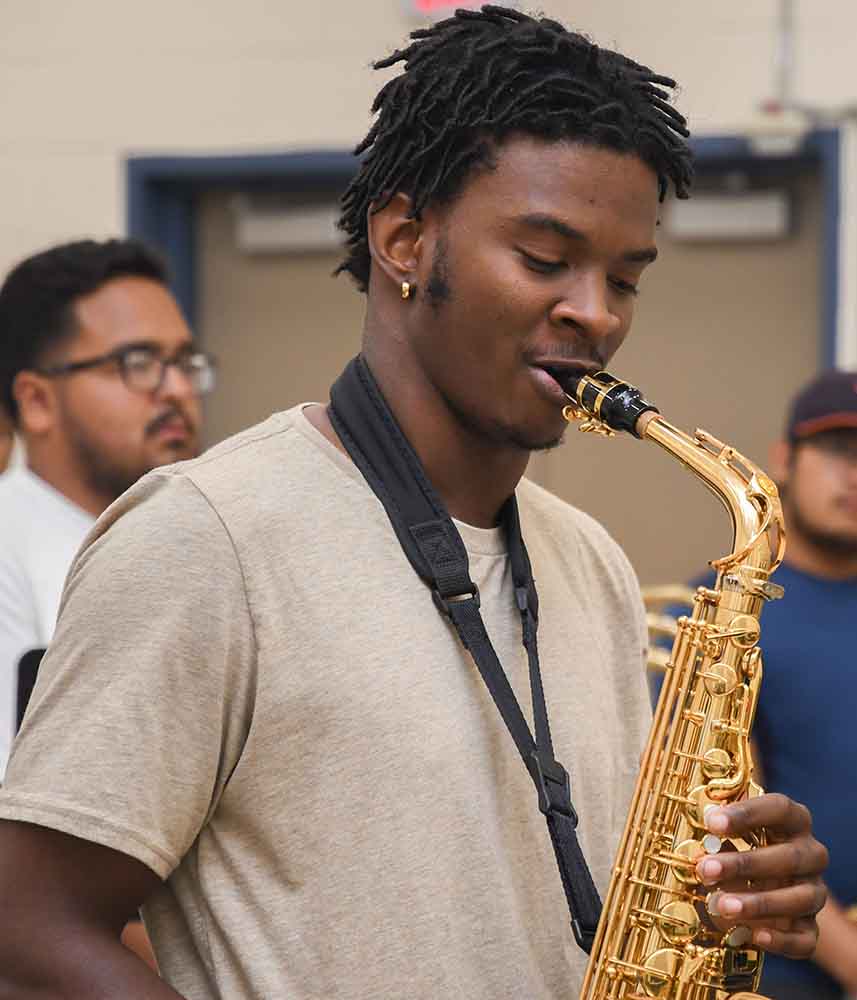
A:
37, 402
779, 461
395, 239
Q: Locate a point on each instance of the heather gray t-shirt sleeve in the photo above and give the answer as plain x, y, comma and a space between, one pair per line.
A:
324, 777
161, 702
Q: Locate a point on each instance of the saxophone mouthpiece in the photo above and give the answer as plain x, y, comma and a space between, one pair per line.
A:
616, 404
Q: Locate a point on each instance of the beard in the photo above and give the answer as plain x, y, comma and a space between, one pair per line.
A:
110, 472
438, 288
105, 476
835, 544
498, 433
438, 293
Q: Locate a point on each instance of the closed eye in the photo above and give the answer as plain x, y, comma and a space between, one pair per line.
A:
540, 265
624, 287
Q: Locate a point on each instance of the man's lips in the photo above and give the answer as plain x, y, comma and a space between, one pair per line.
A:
551, 375
848, 503
170, 426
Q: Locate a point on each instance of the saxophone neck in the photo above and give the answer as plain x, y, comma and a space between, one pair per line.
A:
750, 497
606, 404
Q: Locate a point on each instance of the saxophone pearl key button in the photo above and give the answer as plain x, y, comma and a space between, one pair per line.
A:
711, 843
739, 936
710, 870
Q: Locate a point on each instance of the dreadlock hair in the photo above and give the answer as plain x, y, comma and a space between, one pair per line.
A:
478, 77
38, 296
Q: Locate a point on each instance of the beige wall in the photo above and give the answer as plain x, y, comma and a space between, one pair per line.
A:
715, 344
84, 84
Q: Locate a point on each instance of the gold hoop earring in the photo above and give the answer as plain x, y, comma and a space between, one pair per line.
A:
406, 289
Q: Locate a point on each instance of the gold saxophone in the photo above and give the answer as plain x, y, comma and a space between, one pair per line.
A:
653, 939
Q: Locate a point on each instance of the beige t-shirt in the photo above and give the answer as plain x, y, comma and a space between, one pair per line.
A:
251, 691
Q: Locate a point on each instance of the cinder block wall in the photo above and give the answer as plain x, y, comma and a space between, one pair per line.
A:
84, 84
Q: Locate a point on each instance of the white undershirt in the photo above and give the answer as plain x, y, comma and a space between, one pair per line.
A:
40, 532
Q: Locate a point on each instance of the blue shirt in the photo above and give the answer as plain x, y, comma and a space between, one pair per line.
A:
806, 727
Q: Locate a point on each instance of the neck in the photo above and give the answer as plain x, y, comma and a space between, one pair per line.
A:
60, 473
473, 475
805, 555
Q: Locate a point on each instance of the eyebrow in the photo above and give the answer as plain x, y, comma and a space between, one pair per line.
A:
150, 345
136, 345
539, 220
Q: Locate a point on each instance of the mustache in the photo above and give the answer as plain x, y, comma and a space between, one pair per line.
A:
573, 353
173, 413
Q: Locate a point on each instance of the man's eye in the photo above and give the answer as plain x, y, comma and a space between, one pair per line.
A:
138, 360
624, 287
191, 362
540, 265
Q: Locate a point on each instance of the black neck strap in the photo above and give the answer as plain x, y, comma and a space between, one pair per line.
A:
430, 540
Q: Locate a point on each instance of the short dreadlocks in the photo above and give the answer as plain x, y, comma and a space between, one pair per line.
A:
476, 78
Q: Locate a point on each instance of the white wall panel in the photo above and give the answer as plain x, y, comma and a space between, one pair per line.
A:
83, 84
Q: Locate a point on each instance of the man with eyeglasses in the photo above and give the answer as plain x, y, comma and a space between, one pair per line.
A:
101, 380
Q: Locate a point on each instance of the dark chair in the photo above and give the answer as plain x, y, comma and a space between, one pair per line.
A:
28, 668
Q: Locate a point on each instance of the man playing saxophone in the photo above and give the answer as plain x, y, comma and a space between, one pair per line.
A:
323, 799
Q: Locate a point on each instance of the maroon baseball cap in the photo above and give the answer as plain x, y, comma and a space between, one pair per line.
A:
828, 402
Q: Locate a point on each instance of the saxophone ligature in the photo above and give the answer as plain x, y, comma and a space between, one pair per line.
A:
653, 939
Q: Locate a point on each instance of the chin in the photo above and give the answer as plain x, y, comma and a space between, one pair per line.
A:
536, 439
547, 445
179, 452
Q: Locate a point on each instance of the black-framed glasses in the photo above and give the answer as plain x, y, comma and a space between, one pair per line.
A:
143, 369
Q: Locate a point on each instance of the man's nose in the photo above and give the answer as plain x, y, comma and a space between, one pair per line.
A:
176, 383
585, 306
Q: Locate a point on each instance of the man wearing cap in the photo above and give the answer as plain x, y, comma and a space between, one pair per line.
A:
806, 723
806, 727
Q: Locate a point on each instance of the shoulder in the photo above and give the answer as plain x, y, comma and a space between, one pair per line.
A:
229, 488
568, 526
569, 547
274, 459
231, 460
234, 468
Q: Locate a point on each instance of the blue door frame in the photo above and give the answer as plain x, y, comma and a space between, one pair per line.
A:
162, 193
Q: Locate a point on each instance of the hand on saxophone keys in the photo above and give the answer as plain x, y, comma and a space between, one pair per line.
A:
775, 890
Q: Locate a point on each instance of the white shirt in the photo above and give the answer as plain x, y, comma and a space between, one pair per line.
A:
40, 532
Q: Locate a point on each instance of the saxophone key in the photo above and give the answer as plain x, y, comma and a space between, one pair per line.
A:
660, 970
717, 763
711, 843
684, 859
678, 922
738, 937
720, 679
